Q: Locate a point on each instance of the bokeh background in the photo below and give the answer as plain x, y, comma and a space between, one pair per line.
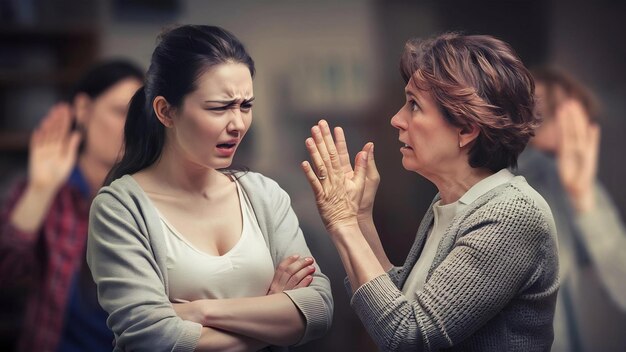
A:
336, 60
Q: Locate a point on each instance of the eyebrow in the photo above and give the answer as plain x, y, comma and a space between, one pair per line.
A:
408, 92
230, 102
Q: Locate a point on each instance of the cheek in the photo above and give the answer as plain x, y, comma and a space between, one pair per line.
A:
106, 132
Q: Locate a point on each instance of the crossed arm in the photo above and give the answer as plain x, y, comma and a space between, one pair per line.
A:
126, 268
252, 323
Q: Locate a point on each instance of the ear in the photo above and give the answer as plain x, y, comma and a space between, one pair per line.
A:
163, 111
81, 105
467, 135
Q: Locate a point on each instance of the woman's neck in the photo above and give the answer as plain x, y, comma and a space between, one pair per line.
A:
179, 174
454, 183
93, 171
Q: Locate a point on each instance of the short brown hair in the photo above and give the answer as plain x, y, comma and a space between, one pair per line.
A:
554, 78
477, 80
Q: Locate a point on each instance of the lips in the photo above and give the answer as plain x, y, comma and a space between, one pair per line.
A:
227, 148
405, 146
228, 144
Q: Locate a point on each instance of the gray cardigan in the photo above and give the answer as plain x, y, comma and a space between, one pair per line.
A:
492, 285
127, 257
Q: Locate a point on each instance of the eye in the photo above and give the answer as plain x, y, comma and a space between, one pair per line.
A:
219, 108
246, 106
413, 105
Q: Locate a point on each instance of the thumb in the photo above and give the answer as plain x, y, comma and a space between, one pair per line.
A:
360, 168
73, 143
372, 171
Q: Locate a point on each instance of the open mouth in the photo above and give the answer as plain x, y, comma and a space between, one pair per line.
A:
406, 146
226, 145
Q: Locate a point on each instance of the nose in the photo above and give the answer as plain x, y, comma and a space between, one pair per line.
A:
398, 121
236, 124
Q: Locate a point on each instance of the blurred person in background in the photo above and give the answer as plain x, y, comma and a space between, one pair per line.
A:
188, 254
482, 272
44, 223
562, 163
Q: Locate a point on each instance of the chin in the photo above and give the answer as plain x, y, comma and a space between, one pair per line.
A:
221, 164
408, 166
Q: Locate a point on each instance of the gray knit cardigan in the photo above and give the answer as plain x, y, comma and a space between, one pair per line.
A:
127, 256
492, 285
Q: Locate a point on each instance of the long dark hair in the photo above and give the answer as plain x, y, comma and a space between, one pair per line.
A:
103, 76
181, 56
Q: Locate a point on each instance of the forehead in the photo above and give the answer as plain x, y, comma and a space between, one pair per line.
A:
420, 93
228, 80
122, 90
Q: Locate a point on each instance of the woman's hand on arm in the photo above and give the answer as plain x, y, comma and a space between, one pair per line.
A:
338, 194
292, 273
272, 319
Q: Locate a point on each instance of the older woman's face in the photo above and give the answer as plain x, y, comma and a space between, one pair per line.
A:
430, 143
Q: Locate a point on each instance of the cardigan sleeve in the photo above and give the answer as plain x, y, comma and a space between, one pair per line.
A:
496, 258
604, 236
315, 302
130, 284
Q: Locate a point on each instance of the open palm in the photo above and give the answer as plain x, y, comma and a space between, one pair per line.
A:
577, 157
53, 149
338, 189
372, 177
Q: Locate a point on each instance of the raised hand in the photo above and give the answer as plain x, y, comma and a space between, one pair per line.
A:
292, 273
53, 149
372, 177
338, 192
577, 157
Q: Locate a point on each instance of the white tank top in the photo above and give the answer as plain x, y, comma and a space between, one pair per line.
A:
244, 271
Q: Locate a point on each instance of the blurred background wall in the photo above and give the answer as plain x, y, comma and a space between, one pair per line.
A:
336, 60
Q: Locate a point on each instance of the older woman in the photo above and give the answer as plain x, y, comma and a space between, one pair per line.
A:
482, 274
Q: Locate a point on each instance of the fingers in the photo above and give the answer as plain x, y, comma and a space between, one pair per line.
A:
566, 140
279, 276
292, 272
55, 126
302, 278
320, 174
579, 123
360, 169
342, 150
372, 171
329, 143
73, 142
324, 170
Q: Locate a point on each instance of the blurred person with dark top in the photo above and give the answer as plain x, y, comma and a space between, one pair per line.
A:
482, 272
44, 222
561, 162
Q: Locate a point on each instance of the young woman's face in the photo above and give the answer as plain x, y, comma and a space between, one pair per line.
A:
213, 119
429, 141
104, 121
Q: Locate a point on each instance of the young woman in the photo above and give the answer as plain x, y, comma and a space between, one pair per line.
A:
188, 255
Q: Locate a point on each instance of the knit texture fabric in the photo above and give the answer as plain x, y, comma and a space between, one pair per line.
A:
491, 287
